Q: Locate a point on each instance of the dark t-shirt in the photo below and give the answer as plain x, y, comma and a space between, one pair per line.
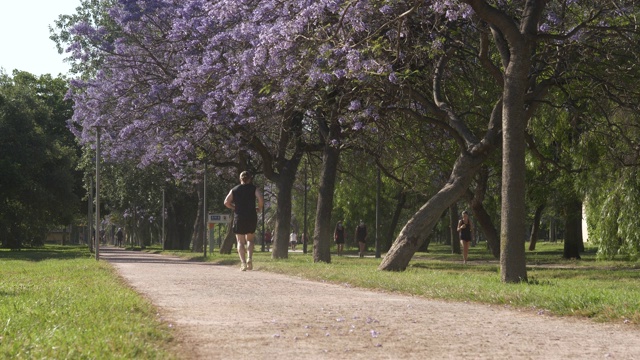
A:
361, 233
245, 217
339, 234
465, 234
244, 198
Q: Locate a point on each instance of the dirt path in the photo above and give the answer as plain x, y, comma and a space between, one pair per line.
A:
222, 313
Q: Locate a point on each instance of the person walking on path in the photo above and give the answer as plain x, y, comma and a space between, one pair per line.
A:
338, 237
293, 240
242, 200
267, 239
465, 230
119, 237
361, 237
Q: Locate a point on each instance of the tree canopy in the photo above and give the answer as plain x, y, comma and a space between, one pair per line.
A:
257, 84
39, 186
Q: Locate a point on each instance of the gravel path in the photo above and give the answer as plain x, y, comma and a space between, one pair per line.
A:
220, 312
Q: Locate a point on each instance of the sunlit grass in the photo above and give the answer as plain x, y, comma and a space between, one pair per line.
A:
603, 291
60, 303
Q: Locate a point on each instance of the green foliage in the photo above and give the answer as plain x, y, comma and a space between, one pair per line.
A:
612, 211
59, 303
39, 183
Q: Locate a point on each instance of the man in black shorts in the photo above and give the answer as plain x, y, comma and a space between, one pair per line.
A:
242, 200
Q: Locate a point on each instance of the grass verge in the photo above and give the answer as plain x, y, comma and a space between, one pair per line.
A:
60, 303
603, 291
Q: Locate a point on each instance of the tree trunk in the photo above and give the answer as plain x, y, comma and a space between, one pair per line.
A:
180, 212
572, 230
419, 227
282, 172
402, 199
322, 234
284, 186
198, 224
515, 41
552, 230
513, 210
535, 228
482, 217
230, 238
453, 229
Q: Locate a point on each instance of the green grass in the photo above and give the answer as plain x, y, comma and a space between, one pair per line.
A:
59, 303
603, 291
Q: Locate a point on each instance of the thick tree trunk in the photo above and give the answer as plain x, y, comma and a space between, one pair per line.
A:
572, 230
513, 210
453, 229
512, 233
322, 234
229, 239
282, 172
419, 227
515, 41
284, 186
180, 212
535, 228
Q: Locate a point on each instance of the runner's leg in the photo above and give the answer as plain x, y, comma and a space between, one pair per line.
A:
242, 251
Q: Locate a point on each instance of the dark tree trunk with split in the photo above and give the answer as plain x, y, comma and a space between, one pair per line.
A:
322, 234
572, 229
483, 219
535, 228
453, 229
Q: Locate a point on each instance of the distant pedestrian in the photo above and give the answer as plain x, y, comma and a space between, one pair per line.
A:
465, 230
293, 240
267, 239
242, 200
338, 237
119, 237
361, 237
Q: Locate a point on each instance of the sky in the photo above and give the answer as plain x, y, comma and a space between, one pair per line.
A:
24, 35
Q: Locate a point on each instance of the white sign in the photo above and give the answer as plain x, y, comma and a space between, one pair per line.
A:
219, 218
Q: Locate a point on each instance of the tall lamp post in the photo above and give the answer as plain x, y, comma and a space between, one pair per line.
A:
304, 244
163, 202
90, 214
204, 211
378, 215
97, 192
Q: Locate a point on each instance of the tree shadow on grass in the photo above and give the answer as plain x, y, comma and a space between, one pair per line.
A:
48, 252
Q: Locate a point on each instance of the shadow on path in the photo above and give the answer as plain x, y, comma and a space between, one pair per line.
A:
119, 255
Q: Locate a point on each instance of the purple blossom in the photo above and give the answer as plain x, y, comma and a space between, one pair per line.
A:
355, 105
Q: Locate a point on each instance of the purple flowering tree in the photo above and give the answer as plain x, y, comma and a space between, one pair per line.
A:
275, 74
181, 82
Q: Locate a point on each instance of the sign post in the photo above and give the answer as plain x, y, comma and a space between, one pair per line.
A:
219, 218
213, 219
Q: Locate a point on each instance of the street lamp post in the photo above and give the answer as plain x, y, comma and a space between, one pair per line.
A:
204, 211
97, 193
90, 214
304, 244
163, 202
378, 215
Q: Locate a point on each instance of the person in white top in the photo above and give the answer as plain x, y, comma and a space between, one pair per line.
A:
293, 240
